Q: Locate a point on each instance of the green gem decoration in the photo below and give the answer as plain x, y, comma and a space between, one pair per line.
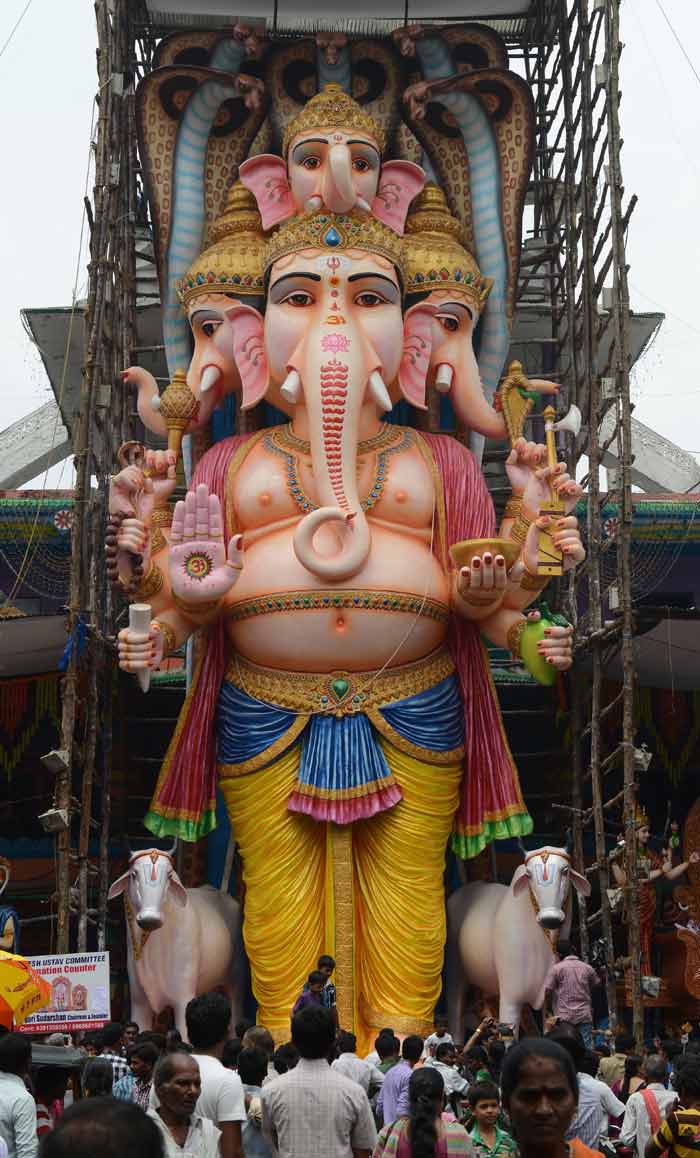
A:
340, 688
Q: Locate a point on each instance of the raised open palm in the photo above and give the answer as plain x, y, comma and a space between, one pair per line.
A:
200, 567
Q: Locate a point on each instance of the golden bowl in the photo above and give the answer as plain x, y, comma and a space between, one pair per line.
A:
462, 553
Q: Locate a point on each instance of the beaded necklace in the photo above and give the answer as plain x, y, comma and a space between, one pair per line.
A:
276, 440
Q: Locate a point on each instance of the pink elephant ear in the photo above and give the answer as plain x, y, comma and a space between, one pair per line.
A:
415, 360
249, 352
266, 177
399, 183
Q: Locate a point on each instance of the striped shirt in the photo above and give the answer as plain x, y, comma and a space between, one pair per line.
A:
680, 1133
570, 983
314, 1110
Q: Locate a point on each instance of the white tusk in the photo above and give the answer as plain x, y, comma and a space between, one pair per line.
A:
443, 378
210, 376
360, 203
379, 391
291, 387
313, 204
155, 401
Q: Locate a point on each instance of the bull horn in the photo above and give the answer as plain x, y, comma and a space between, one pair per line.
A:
522, 848
568, 840
173, 848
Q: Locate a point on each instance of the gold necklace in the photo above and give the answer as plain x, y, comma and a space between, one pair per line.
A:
285, 437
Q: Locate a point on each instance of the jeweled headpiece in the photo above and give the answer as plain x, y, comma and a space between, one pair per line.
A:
435, 254
641, 820
233, 264
332, 109
336, 231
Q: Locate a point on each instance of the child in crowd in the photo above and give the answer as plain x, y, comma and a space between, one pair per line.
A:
488, 1139
438, 1036
312, 992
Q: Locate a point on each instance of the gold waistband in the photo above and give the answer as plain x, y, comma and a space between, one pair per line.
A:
334, 600
339, 693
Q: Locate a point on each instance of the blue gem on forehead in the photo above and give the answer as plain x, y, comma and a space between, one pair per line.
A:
332, 237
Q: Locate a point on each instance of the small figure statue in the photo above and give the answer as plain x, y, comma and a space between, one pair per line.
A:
9, 917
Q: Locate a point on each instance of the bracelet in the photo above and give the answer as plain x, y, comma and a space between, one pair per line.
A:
192, 608
162, 517
169, 640
520, 528
158, 541
530, 582
149, 586
513, 507
514, 636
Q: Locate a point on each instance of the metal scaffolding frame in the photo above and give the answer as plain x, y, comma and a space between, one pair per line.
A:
573, 267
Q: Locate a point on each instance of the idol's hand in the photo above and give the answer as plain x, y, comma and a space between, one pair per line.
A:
557, 644
160, 473
200, 568
481, 586
137, 651
541, 479
524, 459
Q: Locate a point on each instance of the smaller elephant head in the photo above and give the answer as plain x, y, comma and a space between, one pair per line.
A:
331, 159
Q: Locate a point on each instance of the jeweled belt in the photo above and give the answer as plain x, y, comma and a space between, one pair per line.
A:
340, 693
332, 600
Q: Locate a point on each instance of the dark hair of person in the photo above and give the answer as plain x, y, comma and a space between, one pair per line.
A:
92, 1037
623, 1043
112, 1034
159, 1040
571, 1042
241, 1027
208, 1018
633, 1064
671, 1047
603, 1050
15, 1054
285, 1058
313, 1031
445, 1048
687, 1076
387, 1031
231, 1053
385, 1045
347, 1042
132, 1025
104, 1126
482, 1092
50, 1082
477, 1058
655, 1068
145, 1050
589, 1064
325, 962
252, 1066
496, 1052
98, 1077
316, 978
519, 1055
412, 1048
172, 1038
426, 1090
261, 1037
440, 1019
565, 948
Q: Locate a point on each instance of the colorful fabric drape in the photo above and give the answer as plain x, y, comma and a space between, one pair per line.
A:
25, 705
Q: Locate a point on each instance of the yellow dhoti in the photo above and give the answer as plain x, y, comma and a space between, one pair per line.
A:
304, 880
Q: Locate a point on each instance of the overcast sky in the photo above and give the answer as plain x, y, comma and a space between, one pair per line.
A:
47, 83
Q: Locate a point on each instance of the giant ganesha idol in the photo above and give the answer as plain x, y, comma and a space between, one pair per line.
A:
340, 570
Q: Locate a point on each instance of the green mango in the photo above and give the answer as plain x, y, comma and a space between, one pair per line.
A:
545, 673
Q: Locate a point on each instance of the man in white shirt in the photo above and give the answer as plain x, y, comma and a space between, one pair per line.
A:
596, 1101
354, 1067
639, 1124
208, 1019
439, 1036
445, 1061
186, 1134
17, 1106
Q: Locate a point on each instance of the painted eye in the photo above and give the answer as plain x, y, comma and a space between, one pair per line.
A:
209, 328
369, 299
310, 163
448, 322
361, 165
297, 299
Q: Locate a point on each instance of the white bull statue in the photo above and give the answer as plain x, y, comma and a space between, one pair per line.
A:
197, 946
499, 937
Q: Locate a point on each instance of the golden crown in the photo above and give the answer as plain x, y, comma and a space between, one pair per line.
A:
332, 109
641, 819
233, 264
336, 231
435, 253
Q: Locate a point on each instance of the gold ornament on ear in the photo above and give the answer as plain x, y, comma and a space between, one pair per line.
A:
332, 108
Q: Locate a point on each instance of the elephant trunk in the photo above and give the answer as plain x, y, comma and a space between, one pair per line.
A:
334, 402
338, 192
467, 394
148, 400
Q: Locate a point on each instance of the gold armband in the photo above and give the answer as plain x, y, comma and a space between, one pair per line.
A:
149, 586
192, 608
162, 517
169, 640
514, 507
520, 528
530, 582
514, 636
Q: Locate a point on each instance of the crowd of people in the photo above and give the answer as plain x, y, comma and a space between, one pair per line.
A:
231, 1092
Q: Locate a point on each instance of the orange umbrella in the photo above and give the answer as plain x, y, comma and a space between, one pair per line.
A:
22, 990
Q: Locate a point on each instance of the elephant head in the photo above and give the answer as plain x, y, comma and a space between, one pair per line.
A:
229, 270
444, 274
333, 341
331, 159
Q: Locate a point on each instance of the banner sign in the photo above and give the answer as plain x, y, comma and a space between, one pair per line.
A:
79, 993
